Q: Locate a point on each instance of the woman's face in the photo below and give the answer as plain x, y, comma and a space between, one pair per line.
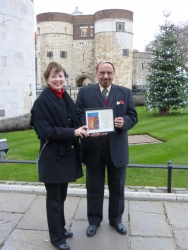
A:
56, 80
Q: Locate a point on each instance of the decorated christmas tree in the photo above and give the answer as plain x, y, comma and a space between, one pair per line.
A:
166, 87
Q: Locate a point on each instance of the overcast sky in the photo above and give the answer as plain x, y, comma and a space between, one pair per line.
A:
148, 14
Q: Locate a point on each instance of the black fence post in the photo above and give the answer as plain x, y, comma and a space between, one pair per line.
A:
2, 155
169, 176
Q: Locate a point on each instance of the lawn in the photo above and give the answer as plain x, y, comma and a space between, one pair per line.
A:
172, 130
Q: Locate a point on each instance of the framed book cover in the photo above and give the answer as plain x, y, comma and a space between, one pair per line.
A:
100, 120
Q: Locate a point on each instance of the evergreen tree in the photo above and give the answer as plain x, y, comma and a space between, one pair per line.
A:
166, 80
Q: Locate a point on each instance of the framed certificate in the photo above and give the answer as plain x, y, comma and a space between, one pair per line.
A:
99, 120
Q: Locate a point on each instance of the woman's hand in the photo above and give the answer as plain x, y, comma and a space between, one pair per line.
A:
82, 131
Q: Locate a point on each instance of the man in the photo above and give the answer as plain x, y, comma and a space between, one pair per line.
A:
110, 150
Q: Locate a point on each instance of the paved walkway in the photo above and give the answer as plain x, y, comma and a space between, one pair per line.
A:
155, 221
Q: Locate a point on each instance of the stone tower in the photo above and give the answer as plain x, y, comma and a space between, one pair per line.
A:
114, 42
80, 41
17, 58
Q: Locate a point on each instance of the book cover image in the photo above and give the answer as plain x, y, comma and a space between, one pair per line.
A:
93, 121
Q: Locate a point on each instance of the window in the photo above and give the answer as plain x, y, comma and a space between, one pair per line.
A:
38, 31
81, 43
91, 30
120, 26
2, 112
84, 31
66, 30
63, 54
125, 52
50, 54
4, 61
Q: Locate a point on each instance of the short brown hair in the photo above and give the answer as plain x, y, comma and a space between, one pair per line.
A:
97, 66
56, 66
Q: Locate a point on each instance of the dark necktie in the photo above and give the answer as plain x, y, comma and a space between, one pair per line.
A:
104, 94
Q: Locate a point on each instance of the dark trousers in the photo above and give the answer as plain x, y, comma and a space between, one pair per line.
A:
55, 198
95, 178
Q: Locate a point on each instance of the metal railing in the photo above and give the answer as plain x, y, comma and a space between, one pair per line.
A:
73, 91
169, 167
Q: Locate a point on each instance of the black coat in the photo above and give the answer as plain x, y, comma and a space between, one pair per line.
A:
54, 121
90, 97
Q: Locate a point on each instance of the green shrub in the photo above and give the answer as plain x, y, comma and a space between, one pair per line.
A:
138, 100
18, 123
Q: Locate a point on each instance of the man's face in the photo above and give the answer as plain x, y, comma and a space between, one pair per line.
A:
105, 74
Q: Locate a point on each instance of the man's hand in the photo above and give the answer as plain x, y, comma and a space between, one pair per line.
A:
119, 122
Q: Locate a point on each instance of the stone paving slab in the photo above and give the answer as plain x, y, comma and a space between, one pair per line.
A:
146, 206
148, 222
181, 237
147, 196
28, 189
81, 214
106, 238
142, 139
15, 203
177, 214
8, 222
149, 225
28, 240
182, 197
35, 217
154, 243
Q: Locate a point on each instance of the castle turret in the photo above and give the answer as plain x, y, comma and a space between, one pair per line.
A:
114, 42
54, 42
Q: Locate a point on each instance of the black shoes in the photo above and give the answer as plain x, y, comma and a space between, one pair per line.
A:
91, 230
68, 234
64, 247
120, 228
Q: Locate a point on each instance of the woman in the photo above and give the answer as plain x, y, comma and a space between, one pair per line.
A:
54, 118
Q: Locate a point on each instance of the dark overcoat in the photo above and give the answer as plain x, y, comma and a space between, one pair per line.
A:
54, 121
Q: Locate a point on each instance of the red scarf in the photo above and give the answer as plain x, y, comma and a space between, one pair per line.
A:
58, 93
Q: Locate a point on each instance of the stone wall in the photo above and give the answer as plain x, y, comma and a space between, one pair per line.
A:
17, 58
141, 62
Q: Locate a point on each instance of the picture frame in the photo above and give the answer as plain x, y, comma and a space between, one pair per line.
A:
100, 120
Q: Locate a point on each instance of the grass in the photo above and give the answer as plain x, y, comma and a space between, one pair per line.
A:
171, 129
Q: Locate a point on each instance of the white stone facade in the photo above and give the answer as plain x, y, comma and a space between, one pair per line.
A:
141, 62
17, 57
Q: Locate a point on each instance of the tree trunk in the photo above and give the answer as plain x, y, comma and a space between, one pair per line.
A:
164, 111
